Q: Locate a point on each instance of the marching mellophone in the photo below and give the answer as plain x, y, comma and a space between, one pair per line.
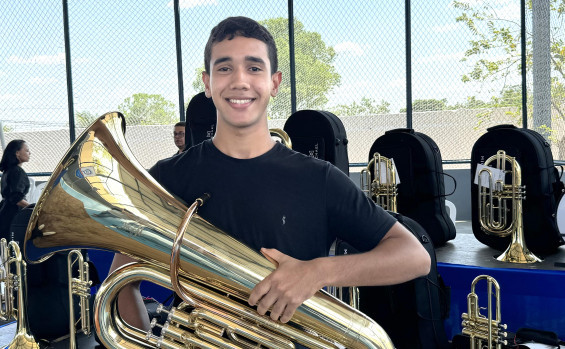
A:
484, 329
498, 200
379, 182
80, 287
14, 281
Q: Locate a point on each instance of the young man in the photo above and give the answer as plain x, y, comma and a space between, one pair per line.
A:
178, 134
289, 206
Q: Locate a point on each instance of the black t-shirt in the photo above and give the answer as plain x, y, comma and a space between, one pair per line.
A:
281, 199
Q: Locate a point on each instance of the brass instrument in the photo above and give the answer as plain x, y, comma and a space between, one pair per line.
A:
11, 256
100, 197
380, 184
78, 287
482, 328
282, 135
494, 210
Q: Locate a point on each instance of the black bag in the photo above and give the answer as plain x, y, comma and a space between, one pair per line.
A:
411, 313
421, 192
543, 187
319, 134
200, 120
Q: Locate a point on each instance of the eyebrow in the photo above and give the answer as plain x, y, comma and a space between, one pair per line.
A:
247, 58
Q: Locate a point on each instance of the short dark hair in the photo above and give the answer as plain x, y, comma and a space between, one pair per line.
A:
9, 158
181, 123
232, 27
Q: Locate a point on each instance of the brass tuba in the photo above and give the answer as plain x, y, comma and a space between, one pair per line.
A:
280, 134
100, 197
12, 257
497, 201
478, 327
379, 182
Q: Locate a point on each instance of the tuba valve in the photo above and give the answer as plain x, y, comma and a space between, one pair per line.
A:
484, 329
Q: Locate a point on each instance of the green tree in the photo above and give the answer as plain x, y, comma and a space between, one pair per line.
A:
6, 128
315, 74
366, 106
84, 118
428, 105
496, 47
472, 103
146, 109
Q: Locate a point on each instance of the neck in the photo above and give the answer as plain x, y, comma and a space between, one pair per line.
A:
244, 145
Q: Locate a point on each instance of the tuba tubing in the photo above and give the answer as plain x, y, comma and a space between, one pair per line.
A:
113, 331
100, 197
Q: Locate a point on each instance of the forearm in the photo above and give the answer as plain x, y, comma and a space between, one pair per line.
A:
398, 258
130, 302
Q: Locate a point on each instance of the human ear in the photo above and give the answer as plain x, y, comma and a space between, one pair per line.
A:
206, 81
276, 79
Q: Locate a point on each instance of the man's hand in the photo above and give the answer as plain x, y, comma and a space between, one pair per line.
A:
285, 289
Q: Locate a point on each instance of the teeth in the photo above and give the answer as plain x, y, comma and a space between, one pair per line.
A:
240, 101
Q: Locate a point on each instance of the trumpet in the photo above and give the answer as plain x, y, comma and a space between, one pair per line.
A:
15, 282
481, 328
381, 184
493, 208
78, 287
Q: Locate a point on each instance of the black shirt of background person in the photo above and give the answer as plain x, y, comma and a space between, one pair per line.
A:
15, 185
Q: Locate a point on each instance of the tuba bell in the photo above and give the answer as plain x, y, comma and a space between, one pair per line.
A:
100, 197
379, 182
498, 201
484, 329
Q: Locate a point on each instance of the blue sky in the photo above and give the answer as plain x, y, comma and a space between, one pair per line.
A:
120, 48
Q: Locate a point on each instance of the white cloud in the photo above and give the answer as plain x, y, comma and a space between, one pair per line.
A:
439, 57
398, 83
352, 48
193, 3
41, 59
42, 81
10, 97
446, 28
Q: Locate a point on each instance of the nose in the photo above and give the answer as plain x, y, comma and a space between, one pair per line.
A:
239, 79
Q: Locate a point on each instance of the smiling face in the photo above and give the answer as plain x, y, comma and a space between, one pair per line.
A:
240, 82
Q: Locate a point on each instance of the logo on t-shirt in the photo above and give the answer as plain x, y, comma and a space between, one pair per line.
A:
283, 220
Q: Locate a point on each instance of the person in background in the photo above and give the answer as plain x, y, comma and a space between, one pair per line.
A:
14, 183
178, 135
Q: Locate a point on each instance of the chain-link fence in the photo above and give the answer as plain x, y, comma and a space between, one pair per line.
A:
350, 59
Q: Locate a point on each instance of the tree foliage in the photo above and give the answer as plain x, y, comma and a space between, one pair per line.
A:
148, 109
367, 106
315, 74
495, 49
84, 118
428, 105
